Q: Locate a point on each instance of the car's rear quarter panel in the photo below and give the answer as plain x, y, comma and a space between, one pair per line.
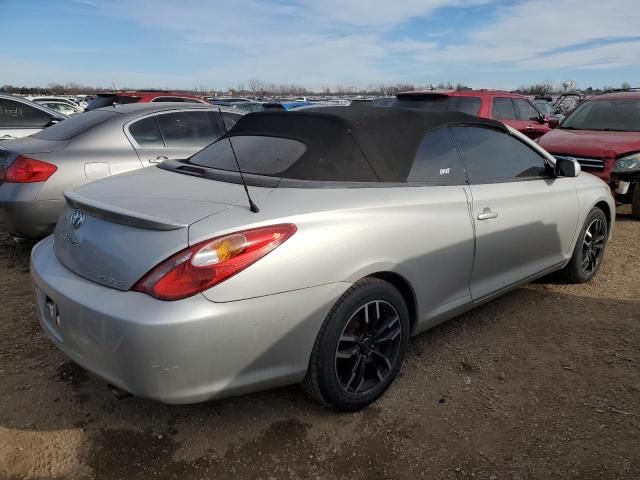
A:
423, 234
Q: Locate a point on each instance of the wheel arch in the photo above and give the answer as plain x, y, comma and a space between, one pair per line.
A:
405, 289
606, 209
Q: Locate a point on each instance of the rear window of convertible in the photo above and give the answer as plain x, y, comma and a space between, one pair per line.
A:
258, 155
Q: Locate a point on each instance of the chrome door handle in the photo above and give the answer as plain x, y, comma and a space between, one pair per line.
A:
158, 159
487, 214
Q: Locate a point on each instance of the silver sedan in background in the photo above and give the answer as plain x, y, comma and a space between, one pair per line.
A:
20, 117
36, 170
366, 226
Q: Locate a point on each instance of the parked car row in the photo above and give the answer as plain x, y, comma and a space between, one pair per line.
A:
299, 244
19, 117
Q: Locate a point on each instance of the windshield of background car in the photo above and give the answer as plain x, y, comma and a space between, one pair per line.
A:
74, 126
615, 115
256, 154
440, 103
544, 107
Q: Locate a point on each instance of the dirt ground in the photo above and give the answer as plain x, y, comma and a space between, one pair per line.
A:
541, 383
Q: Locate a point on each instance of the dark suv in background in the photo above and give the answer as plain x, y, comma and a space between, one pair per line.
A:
512, 109
603, 135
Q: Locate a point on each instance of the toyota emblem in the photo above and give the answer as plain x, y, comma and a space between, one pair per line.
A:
77, 217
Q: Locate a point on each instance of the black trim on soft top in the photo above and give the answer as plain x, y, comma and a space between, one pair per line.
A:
253, 180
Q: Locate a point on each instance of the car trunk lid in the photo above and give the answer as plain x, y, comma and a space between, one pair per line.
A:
31, 145
114, 231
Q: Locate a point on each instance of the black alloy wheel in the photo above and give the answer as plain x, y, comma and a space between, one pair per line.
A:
593, 246
360, 346
589, 250
368, 347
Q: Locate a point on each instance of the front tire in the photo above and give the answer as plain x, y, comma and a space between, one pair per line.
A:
589, 249
635, 201
360, 347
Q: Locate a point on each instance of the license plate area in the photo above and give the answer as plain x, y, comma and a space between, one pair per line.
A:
51, 312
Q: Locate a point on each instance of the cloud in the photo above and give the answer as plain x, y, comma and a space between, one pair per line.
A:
328, 42
524, 36
372, 13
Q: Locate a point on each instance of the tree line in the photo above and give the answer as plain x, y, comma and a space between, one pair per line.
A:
260, 88
253, 87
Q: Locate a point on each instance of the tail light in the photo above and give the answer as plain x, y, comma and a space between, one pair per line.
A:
27, 170
208, 263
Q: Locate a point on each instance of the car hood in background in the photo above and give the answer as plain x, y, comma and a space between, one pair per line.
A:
590, 143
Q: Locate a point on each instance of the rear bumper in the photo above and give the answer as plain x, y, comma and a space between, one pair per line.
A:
178, 352
21, 215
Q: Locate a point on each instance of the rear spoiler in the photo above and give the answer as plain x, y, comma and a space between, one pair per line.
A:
119, 215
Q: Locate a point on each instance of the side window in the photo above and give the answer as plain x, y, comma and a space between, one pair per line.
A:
15, 114
502, 109
194, 129
437, 161
470, 105
189, 100
525, 110
146, 133
493, 156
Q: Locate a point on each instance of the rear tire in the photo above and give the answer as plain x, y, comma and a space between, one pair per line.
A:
635, 201
360, 346
589, 249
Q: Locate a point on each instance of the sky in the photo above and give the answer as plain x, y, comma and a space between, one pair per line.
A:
319, 43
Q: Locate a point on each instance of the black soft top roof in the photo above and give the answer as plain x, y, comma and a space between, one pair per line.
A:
363, 143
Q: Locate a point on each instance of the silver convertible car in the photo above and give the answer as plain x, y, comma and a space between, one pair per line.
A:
36, 170
364, 226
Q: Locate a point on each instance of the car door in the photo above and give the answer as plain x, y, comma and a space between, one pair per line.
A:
173, 135
534, 127
503, 110
525, 218
18, 119
441, 274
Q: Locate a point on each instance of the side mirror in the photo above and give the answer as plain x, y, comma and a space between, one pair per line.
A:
553, 122
566, 167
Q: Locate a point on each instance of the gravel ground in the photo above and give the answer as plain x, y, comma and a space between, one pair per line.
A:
541, 383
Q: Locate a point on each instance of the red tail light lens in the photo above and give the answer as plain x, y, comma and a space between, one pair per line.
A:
208, 263
27, 170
